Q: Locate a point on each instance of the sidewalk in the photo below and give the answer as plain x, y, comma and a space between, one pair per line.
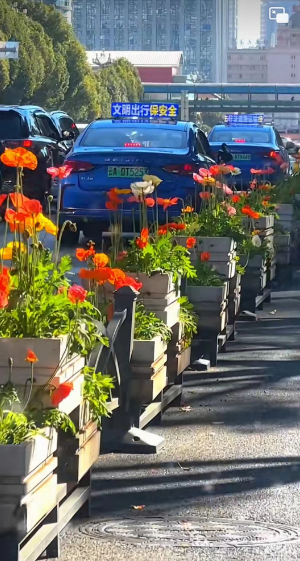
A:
233, 452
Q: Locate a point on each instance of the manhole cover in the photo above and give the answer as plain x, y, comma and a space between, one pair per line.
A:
174, 531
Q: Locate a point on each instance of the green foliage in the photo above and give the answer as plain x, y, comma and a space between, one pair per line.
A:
37, 310
148, 325
52, 70
15, 428
161, 256
189, 320
207, 120
285, 190
96, 392
53, 418
8, 396
206, 276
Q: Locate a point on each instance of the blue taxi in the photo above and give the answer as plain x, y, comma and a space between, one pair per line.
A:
117, 152
253, 145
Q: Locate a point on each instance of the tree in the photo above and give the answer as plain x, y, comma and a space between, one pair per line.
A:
52, 70
209, 120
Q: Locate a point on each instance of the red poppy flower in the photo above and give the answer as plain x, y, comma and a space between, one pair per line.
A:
31, 357
3, 299
142, 241
77, 294
60, 393
215, 170
166, 203
113, 196
236, 199
205, 196
267, 171
190, 243
62, 172
33, 207
150, 202
205, 256
111, 205
84, 254
2, 199
128, 281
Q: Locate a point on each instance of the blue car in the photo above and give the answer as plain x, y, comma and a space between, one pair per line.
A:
115, 154
252, 146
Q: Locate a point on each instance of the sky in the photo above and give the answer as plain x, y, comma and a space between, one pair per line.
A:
248, 20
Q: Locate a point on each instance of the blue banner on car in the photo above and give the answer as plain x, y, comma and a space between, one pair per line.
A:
145, 110
244, 119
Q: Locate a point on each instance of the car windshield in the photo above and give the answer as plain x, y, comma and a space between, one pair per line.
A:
10, 125
241, 136
134, 137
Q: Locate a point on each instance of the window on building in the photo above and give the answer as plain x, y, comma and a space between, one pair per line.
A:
240, 57
105, 24
147, 9
133, 24
119, 25
161, 25
263, 57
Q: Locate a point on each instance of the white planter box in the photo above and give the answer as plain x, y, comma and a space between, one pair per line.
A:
170, 315
19, 460
282, 241
264, 222
285, 211
184, 360
50, 352
216, 245
148, 351
156, 285
207, 293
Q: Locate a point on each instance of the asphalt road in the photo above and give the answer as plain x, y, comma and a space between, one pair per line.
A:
226, 484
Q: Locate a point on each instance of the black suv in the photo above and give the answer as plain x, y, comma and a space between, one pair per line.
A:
34, 129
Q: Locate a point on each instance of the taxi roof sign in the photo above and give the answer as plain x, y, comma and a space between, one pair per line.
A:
145, 110
244, 119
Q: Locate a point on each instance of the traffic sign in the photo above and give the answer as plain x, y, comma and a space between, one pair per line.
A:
244, 119
145, 110
9, 49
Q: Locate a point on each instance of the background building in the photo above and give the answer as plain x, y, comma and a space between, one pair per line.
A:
202, 29
278, 65
63, 6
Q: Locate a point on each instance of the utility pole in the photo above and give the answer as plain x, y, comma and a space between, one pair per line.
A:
185, 113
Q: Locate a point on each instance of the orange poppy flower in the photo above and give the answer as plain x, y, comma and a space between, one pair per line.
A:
128, 281
190, 243
113, 196
116, 275
60, 393
205, 256
84, 254
150, 202
18, 200
188, 209
100, 260
31, 357
142, 241
19, 158
166, 203
236, 199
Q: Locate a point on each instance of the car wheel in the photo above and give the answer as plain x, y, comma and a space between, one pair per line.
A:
69, 237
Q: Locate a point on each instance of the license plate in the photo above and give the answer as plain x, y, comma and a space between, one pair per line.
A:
116, 171
243, 157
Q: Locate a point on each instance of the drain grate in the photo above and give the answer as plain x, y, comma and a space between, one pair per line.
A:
174, 531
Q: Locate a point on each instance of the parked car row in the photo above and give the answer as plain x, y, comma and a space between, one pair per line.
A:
50, 136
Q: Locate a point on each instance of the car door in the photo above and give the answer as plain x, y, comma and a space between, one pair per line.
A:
202, 148
284, 153
50, 139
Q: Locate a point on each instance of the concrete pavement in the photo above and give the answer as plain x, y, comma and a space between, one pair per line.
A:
227, 484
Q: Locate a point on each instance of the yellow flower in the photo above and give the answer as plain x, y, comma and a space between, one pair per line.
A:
49, 227
6, 253
122, 191
153, 178
17, 245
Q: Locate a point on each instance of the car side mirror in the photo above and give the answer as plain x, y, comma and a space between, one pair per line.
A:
290, 145
68, 135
